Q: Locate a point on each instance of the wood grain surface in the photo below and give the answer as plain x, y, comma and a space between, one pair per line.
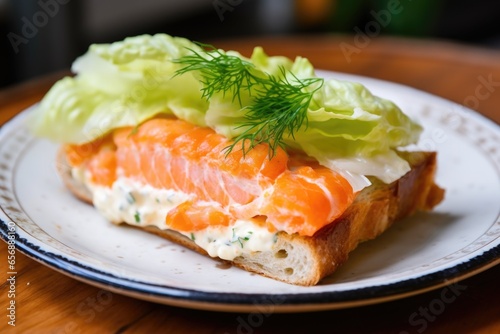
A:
50, 302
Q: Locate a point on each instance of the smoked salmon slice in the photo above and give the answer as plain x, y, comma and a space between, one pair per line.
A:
292, 194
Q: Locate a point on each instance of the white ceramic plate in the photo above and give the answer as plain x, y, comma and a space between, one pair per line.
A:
459, 239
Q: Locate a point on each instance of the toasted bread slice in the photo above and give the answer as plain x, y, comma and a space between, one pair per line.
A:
302, 260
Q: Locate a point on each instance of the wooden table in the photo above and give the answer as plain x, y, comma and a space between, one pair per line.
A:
49, 302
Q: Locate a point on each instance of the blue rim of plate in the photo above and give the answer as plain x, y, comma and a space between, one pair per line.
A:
126, 286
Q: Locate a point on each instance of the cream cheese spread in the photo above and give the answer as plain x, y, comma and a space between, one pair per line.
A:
128, 201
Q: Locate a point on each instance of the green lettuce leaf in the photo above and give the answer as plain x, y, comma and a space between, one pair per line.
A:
355, 131
120, 84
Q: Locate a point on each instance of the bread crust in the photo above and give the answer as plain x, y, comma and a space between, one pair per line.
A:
303, 260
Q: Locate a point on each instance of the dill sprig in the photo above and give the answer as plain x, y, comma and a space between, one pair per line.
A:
219, 72
278, 106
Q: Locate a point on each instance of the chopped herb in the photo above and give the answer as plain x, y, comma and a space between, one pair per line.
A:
130, 198
157, 200
137, 217
239, 239
192, 237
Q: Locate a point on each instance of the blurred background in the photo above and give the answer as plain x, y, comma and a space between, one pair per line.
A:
43, 36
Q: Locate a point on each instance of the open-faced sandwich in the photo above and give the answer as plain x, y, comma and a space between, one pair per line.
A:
257, 161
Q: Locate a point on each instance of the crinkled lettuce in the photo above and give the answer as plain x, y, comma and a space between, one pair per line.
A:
124, 83
120, 84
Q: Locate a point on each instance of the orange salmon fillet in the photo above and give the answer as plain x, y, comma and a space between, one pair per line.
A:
287, 192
